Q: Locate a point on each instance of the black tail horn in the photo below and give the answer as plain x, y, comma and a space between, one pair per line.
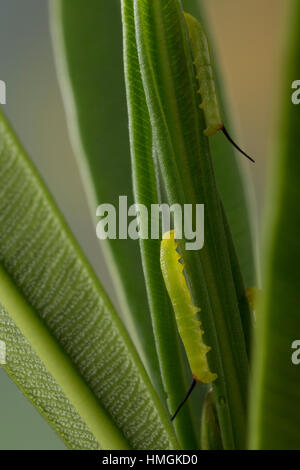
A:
235, 145
185, 399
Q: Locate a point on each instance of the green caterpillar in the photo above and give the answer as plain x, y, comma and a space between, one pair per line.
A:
189, 327
207, 84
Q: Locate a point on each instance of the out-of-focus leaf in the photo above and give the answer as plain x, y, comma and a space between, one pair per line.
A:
275, 411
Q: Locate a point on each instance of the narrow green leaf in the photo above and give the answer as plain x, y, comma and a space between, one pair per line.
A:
185, 161
231, 175
275, 411
88, 51
146, 192
233, 183
55, 299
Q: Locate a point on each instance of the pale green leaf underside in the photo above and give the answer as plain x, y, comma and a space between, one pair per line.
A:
29, 373
55, 299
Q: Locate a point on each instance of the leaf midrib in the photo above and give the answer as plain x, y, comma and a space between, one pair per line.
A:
60, 366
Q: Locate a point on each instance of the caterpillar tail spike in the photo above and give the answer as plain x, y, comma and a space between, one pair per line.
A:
185, 399
229, 138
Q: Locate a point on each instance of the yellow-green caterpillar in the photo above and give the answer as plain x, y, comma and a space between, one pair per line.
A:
207, 84
189, 327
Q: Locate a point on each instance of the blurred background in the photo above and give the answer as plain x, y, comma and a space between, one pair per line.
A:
247, 38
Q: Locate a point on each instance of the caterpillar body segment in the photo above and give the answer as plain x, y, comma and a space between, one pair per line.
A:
205, 76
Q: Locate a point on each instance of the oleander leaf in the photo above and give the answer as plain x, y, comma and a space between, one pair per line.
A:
55, 299
275, 412
88, 52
